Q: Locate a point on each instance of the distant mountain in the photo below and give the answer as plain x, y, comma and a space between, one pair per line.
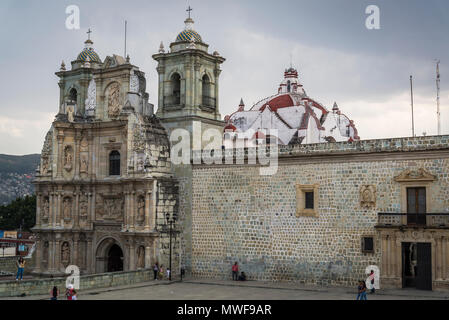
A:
16, 176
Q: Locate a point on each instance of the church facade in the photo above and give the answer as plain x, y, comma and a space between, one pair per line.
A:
105, 174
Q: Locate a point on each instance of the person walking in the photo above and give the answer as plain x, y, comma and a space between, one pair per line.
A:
20, 268
54, 293
74, 296
235, 271
161, 272
155, 270
361, 291
371, 279
168, 273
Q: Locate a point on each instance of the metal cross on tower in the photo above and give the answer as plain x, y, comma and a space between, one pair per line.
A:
188, 10
88, 33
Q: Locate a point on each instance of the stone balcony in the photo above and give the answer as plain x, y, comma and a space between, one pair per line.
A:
415, 220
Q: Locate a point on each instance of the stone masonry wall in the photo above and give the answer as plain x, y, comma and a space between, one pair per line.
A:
239, 215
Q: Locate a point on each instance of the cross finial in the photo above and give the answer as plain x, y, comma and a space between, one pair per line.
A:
188, 10
88, 34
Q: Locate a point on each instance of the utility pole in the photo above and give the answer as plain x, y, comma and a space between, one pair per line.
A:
438, 98
411, 94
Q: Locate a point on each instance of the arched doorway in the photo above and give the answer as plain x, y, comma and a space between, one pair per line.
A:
115, 259
109, 256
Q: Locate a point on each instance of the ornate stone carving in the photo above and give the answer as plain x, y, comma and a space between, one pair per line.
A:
114, 100
45, 208
109, 207
141, 209
46, 153
65, 254
68, 158
419, 175
91, 101
84, 165
367, 196
67, 208
134, 83
83, 207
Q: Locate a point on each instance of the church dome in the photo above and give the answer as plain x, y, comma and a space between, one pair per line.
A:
189, 35
88, 51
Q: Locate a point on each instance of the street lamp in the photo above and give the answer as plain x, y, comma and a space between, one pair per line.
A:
170, 222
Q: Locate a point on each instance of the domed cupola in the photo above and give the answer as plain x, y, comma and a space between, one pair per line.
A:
188, 34
88, 54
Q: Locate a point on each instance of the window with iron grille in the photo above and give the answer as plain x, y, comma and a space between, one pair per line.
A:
114, 163
368, 245
309, 197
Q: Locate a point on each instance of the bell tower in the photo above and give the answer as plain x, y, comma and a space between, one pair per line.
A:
189, 82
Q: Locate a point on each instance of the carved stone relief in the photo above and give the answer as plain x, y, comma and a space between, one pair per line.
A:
65, 254
45, 209
114, 100
419, 175
141, 258
141, 210
67, 208
68, 158
83, 207
368, 196
91, 101
84, 162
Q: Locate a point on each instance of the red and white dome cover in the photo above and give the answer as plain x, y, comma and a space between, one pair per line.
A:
296, 117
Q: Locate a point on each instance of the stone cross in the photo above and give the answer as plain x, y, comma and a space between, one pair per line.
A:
188, 10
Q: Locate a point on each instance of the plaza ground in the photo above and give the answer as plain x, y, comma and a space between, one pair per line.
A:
195, 289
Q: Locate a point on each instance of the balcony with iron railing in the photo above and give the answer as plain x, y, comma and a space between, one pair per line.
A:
423, 220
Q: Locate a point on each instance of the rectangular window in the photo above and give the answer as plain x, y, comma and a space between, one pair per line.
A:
309, 200
416, 205
368, 245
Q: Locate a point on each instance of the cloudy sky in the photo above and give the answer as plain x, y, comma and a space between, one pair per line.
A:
365, 71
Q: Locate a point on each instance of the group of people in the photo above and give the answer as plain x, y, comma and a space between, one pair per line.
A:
235, 273
362, 287
70, 293
159, 273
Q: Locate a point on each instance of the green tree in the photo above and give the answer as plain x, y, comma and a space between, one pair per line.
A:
21, 210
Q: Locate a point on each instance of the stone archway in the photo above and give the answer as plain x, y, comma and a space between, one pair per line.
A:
109, 256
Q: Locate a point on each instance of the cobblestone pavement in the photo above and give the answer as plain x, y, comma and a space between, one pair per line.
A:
230, 290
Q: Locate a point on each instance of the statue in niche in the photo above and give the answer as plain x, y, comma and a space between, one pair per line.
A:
44, 168
45, 208
65, 254
141, 209
67, 209
141, 258
83, 207
114, 100
68, 158
84, 163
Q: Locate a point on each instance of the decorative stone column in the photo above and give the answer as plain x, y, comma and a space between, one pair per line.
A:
147, 211
147, 256
132, 254
132, 211
89, 209
60, 138
75, 249
38, 209
76, 151
57, 255
76, 213
89, 250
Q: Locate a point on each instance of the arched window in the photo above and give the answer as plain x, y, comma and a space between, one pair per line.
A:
73, 95
114, 163
206, 96
176, 86
288, 86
